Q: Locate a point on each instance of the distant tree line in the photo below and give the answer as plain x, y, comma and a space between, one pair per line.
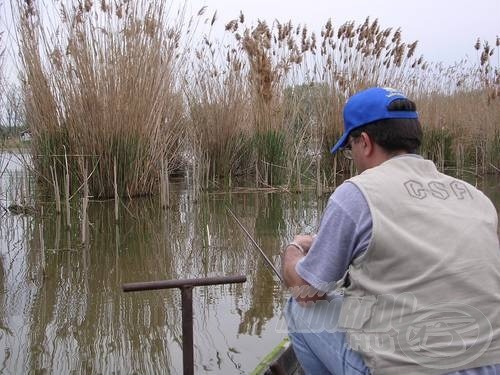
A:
12, 113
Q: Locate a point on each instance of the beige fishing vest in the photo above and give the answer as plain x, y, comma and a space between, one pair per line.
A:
425, 297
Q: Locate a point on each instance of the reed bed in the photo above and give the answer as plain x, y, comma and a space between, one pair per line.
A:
2, 52
2, 90
120, 82
461, 123
100, 86
218, 118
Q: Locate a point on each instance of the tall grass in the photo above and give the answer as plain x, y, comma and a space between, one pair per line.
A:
101, 86
218, 117
114, 81
270, 63
340, 62
461, 122
2, 52
2, 83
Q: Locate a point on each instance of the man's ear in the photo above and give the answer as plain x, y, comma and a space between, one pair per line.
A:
366, 144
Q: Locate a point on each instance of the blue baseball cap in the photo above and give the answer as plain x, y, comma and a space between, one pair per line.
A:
368, 106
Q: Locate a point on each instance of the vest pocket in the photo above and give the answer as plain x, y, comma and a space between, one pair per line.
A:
355, 312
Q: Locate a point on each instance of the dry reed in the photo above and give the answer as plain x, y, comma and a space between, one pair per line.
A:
296, 84
3, 91
2, 53
218, 117
265, 106
102, 85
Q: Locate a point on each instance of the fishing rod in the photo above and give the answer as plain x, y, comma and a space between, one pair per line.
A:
268, 261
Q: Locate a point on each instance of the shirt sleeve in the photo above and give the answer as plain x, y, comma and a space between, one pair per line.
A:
344, 234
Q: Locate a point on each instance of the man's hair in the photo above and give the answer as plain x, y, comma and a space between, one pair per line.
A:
395, 134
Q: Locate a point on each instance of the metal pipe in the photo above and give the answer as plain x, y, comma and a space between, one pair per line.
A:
187, 330
168, 284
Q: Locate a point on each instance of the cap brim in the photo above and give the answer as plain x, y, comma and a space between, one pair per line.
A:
341, 142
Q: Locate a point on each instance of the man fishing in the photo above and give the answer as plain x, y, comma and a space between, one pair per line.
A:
405, 267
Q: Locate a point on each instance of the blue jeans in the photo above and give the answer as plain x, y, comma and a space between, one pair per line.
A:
321, 351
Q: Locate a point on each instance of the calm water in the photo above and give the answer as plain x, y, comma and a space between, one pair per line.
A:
61, 305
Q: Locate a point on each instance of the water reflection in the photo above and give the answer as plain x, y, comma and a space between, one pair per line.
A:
62, 309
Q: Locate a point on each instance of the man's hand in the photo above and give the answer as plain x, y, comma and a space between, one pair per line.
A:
289, 258
304, 240
290, 255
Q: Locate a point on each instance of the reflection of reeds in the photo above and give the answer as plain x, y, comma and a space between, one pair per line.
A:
85, 203
3, 315
164, 185
66, 191
55, 183
81, 312
42, 243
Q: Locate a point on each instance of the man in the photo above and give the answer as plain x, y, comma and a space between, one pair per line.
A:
414, 251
